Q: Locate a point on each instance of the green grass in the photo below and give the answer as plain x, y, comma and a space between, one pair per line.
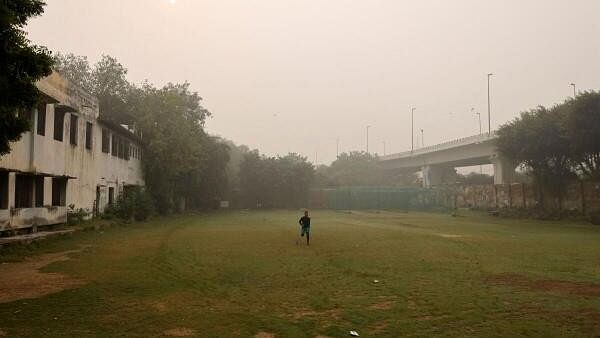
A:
239, 273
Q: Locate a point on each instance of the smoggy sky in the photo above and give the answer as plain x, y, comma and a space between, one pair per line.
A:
294, 75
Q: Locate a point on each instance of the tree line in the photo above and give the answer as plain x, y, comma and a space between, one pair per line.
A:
556, 145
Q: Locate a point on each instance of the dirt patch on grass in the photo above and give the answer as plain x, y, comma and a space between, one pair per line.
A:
24, 280
264, 335
387, 305
547, 285
2, 333
450, 235
334, 314
179, 332
379, 327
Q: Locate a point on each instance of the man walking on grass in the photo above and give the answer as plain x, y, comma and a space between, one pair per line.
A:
305, 224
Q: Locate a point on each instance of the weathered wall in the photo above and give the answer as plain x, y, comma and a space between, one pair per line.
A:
87, 169
582, 197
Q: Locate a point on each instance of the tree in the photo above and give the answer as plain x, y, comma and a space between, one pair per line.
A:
176, 148
275, 182
582, 128
358, 168
536, 140
107, 80
21, 65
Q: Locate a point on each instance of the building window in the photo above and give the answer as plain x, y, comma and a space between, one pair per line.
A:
59, 191
59, 124
115, 145
88, 135
3, 189
105, 141
111, 195
39, 191
41, 119
23, 191
73, 129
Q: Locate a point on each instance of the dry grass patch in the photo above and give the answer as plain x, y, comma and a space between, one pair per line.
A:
263, 334
547, 285
24, 280
179, 332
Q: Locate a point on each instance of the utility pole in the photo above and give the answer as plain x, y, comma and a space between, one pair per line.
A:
574, 90
337, 147
412, 129
383, 147
489, 106
368, 138
422, 139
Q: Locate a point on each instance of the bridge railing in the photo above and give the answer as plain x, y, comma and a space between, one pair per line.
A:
441, 146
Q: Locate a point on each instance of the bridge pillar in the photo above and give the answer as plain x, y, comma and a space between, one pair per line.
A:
504, 170
432, 175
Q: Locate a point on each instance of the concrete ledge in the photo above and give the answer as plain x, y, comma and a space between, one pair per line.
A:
29, 238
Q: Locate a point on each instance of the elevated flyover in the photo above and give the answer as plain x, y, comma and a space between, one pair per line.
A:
434, 161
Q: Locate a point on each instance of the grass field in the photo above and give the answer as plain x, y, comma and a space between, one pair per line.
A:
241, 274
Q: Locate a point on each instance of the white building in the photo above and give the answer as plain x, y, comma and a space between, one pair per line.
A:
70, 157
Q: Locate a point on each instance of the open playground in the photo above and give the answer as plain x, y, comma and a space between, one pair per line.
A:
241, 274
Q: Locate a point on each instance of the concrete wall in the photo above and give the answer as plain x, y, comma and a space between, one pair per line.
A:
581, 197
86, 169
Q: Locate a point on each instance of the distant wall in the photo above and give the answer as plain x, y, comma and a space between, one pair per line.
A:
582, 197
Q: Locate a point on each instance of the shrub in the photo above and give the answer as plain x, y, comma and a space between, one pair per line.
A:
76, 216
136, 204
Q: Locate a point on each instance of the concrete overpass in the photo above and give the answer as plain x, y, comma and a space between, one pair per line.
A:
435, 160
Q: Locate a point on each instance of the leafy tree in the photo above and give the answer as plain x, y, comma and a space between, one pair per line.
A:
582, 128
21, 65
107, 80
536, 141
181, 162
171, 121
358, 168
275, 182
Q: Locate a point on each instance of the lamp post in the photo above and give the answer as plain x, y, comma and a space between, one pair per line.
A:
574, 90
479, 117
337, 147
368, 138
412, 129
383, 147
489, 106
422, 139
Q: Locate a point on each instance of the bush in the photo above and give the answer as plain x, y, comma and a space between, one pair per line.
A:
76, 216
136, 205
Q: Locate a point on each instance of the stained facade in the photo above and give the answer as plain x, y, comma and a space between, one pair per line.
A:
71, 157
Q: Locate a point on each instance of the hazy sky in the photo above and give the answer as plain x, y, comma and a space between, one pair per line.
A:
294, 75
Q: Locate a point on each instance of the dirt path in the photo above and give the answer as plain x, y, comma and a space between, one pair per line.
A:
24, 280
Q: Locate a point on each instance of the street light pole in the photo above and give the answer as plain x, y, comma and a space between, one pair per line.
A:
368, 138
337, 147
422, 139
489, 106
574, 90
383, 147
412, 129
479, 117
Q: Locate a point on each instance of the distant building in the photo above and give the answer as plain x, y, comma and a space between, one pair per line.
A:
70, 157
